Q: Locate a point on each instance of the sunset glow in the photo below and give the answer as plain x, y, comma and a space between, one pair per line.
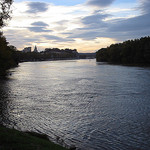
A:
86, 25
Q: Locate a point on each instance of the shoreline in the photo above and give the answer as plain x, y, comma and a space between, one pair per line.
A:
14, 139
125, 64
22, 61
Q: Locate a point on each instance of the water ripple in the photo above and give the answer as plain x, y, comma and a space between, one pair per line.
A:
90, 105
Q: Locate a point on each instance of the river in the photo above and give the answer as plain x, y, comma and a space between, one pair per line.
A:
94, 106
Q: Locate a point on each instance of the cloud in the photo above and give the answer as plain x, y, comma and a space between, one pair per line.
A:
120, 29
25, 38
138, 23
62, 22
38, 29
99, 3
61, 25
66, 33
57, 39
85, 35
36, 7
132, 27
95, 20
145, 6
95, 25
40, 24
92, 25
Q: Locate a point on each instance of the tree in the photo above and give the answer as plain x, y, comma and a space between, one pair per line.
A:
6, 55
6, 52
4, 11
129, 52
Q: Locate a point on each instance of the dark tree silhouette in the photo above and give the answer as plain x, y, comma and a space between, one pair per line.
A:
129, 52
4, 11
6, 55
6, 51
47, 54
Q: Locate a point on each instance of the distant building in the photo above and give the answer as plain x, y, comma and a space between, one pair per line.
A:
26, 50
35, 49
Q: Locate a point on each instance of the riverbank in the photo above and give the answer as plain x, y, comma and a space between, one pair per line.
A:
17, 140
134, 52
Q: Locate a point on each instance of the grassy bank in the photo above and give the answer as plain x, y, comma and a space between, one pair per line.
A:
11, 139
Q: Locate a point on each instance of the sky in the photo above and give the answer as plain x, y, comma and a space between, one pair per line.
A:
85, 25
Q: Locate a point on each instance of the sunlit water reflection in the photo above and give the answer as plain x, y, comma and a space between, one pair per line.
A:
93, 106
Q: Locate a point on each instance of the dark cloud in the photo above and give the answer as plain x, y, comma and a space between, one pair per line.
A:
36, 7
122, 29
145, 6
93, 24
99, 3
57, 39
138, 23
85, 35
119, 29
40, 24
95, 20
31, 39
38, 29
132, 27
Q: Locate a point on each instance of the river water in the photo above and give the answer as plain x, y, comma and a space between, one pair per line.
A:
94, 106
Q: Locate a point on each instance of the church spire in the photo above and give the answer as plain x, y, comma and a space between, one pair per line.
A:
35, 49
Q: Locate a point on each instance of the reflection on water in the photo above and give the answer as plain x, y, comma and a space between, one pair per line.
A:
4, 101
91, 105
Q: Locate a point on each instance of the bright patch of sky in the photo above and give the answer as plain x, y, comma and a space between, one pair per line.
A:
86, 25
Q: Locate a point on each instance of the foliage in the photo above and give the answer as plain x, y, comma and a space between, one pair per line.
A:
6, 55
48, 54
4, 11
6, 52
129, 52
11, 139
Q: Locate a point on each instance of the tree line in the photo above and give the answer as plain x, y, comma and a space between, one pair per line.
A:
7, 53
7, 59
47, 54
129, 52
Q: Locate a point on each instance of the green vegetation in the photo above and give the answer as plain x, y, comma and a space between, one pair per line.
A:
11, 139
48, 54
7, 53
129, 52
4, 11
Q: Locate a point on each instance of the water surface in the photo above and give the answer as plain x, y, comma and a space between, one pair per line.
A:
94, 106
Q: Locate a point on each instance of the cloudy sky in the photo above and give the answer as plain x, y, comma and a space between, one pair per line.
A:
86, 25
